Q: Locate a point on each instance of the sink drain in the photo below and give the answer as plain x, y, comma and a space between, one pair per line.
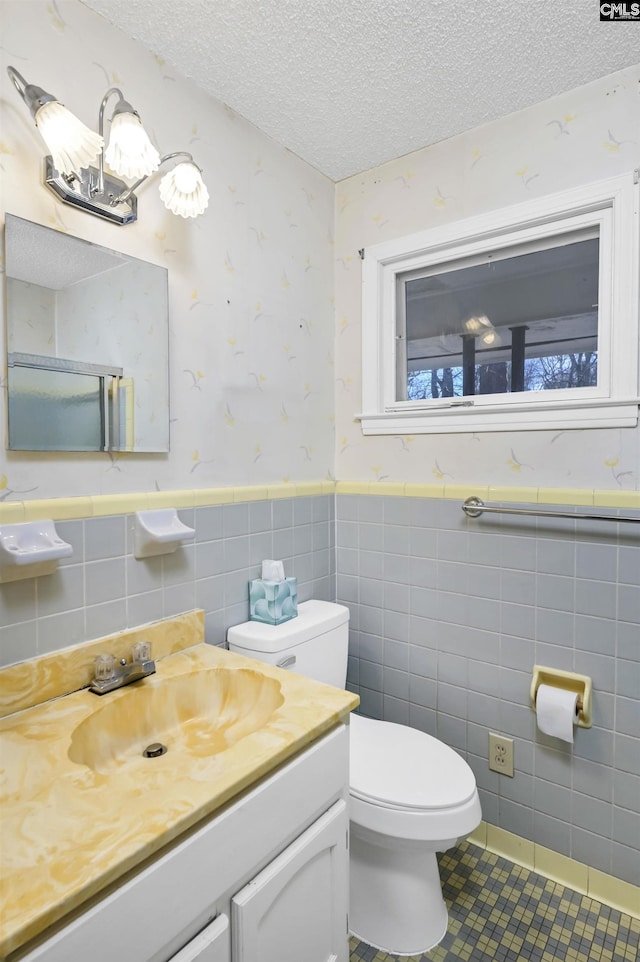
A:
154, 750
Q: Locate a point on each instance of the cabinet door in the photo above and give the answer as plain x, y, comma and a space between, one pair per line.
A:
295, 910
210, 945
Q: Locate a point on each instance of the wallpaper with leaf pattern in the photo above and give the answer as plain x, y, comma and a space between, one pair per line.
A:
586, 135
250, 282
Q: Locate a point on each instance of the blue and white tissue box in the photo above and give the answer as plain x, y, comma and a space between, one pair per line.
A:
273, 602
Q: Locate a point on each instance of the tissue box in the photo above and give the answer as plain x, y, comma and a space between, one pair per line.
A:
273, 602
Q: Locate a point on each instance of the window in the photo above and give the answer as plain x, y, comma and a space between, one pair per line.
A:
526, 318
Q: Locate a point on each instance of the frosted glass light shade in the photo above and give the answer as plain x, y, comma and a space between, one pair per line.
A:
130, 152
474, 325
72, 144
183, 191
491, 338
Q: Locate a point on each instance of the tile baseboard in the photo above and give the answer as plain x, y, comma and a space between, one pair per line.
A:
582, 878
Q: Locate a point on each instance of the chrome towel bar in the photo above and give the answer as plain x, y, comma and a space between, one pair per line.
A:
474, 507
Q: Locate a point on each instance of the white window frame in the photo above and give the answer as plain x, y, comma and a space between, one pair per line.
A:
611, 207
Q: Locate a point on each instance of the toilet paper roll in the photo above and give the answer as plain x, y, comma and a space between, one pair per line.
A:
556, 711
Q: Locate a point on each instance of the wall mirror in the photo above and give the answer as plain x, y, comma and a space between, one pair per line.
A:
87, 345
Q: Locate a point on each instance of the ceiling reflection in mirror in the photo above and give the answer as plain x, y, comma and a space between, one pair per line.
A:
87, 345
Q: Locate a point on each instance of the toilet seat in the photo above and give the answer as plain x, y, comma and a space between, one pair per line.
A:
405, 769
407, 784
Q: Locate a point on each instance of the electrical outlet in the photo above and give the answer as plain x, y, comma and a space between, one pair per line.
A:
501, 754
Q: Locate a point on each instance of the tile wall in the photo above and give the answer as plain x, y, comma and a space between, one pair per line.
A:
102, 588
449, 615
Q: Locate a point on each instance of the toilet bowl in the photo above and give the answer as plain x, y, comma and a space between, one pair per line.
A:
410, 795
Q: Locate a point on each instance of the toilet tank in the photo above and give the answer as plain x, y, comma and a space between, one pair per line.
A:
314, 644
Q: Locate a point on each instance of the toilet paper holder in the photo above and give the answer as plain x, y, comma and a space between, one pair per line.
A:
570, 681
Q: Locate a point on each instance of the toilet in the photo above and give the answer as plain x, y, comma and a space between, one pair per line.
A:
410, 795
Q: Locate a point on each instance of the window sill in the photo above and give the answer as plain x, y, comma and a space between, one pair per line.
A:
458, 418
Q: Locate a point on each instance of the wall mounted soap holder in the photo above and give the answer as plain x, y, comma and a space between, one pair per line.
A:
159, 532
29, 549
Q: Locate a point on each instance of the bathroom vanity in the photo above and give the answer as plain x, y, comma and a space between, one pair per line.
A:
233, 856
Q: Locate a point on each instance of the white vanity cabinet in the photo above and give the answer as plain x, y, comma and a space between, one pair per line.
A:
264, 880
295, 909
210, 945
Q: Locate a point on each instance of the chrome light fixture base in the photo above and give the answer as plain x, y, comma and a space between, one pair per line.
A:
80, 190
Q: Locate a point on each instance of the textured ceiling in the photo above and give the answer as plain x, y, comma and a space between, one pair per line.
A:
350, 84
52, 259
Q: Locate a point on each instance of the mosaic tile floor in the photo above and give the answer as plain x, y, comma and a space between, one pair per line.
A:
503, 912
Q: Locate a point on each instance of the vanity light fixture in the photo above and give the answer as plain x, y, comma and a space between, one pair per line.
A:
130, 153
477, 324
481, 327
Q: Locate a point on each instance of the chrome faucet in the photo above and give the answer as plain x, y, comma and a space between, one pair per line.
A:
111, 674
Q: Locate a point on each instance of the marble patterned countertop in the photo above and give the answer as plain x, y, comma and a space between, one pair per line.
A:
68, 830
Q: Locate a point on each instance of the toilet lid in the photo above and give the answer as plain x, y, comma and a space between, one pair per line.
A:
404, 768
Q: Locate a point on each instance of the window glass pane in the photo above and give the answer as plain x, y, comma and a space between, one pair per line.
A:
523, 322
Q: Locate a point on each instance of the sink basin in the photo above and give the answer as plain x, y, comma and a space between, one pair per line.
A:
199, 713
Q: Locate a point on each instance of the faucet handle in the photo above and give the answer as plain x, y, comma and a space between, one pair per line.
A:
104, 667
141, 651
